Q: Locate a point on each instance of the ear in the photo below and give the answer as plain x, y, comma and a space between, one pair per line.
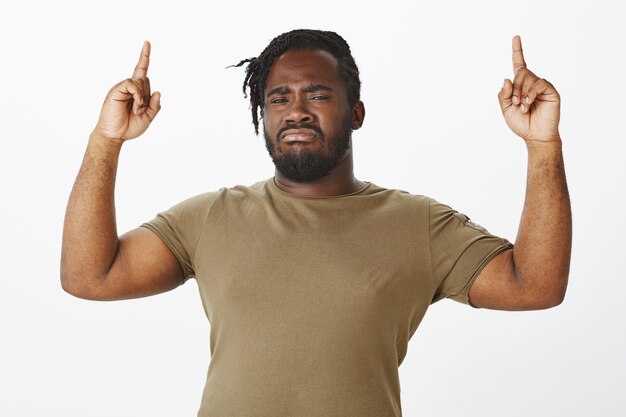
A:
358, 114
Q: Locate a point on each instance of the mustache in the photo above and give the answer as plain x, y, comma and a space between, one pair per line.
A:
317, 130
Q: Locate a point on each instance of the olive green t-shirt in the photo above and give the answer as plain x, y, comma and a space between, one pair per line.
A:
312, 300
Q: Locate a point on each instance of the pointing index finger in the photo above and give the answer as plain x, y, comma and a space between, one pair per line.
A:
518, 55
141, 70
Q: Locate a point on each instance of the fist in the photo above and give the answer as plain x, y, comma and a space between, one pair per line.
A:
530, 105
129, 106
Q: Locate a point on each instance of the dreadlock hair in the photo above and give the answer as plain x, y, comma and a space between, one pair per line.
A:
258, 68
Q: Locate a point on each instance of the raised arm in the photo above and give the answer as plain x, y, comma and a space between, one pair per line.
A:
533, 275
95, 263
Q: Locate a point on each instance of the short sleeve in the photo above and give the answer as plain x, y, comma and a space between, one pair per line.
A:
459, 250
180, 227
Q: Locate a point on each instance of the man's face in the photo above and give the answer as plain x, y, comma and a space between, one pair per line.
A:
307, 120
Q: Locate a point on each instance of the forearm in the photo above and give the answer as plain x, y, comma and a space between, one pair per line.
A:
543, 245
90, 233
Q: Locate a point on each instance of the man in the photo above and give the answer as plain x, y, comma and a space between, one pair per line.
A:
313, 280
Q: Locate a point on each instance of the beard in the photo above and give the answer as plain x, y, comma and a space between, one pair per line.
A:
303, 165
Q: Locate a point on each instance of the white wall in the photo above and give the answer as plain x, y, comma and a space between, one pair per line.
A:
431, 73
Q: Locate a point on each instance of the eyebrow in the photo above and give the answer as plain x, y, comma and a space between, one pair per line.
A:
311, 88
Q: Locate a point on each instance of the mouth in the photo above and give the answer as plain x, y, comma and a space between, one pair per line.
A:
299, 136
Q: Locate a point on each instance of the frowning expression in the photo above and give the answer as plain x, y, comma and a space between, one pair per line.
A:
307, 118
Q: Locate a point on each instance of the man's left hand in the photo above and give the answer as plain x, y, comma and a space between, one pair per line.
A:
530, 105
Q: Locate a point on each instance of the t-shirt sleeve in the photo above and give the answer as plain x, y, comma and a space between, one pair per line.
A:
180, 228
459, 250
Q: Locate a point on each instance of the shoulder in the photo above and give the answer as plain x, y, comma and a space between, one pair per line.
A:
209, 198
437, 213
399, 196
196, 203
443, 215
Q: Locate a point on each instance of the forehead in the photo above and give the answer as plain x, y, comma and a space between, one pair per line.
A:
303, 66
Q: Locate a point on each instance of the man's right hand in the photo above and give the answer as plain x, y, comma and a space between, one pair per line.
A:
129, 107
96, 264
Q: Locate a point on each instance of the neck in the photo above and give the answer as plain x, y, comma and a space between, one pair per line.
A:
339, 181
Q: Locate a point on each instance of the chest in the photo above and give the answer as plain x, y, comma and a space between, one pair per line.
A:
314, 265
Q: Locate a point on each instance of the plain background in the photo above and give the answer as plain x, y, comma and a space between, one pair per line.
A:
430, 74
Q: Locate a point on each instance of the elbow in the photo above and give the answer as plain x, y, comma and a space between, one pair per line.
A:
549, 296
559, 288
70, 280
81, 282
70, 285
551, 302
79, 286
558, 298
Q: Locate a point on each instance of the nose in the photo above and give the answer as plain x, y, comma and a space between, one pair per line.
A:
298, 113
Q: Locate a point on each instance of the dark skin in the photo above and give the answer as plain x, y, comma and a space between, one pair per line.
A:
96, 264
293, 101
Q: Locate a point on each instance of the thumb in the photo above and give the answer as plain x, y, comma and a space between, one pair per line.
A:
154, 106
505, 95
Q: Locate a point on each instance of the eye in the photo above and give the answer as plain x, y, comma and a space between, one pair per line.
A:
279, 100
319, 98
